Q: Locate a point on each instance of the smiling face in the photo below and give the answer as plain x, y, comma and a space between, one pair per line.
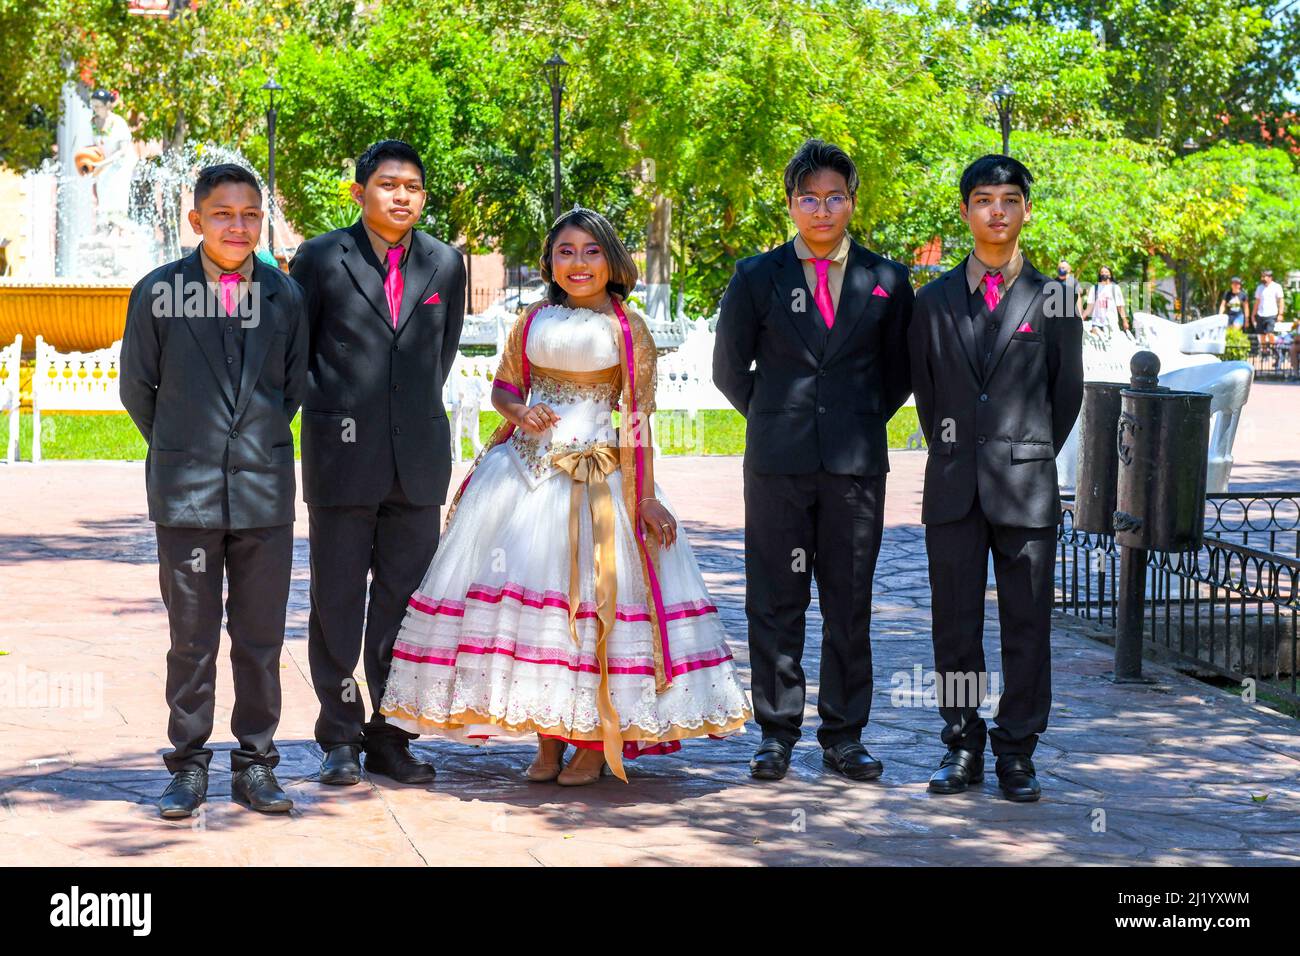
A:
821, 209
230, 221
579, 265
392, 199
996, 215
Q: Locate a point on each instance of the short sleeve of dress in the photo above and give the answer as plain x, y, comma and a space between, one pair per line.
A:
510, 372
646, 361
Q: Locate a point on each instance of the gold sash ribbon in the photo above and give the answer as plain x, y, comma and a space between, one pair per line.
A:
588, 468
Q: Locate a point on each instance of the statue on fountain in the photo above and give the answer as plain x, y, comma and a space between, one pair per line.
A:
110, 160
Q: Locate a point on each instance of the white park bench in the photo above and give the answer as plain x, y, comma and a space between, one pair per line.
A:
1202, 337
83, 382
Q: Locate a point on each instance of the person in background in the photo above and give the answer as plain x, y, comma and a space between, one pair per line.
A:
1270, 307
1066, 275
1235, 304
1105, 304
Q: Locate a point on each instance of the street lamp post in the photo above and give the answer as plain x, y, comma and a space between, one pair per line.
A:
1004, 97
554, 69
271, 88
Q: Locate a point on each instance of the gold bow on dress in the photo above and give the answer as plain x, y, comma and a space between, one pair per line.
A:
588, 468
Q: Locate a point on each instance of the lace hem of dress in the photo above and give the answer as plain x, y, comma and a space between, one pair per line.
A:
461, 699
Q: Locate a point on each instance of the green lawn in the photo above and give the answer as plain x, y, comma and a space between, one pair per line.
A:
113, 436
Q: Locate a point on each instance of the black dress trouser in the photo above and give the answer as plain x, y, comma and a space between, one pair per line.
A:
257, 563
798, 526
1023, 566
393, 542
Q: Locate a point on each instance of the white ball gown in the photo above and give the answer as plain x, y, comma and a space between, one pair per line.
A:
487, 647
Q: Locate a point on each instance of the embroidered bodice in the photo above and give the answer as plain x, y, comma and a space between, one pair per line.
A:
574, 360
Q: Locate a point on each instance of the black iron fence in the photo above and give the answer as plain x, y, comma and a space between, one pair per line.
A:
1274, 359
1230, 607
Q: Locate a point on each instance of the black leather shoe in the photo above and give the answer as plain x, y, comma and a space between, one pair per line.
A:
185, 794
957, 770
1017, 780
851, 759
256, 788
393, 758
771, 760
341, 766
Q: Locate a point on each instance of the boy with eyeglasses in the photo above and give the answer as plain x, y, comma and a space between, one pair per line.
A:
823, 323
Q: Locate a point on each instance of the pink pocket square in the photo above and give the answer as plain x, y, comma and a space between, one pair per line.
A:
432, 300
880, 292
1025, 327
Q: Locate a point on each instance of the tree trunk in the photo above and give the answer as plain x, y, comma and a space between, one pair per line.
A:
659, 260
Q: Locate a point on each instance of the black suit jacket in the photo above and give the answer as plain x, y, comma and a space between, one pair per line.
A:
215, 460
374, 395
996, 428
814, 399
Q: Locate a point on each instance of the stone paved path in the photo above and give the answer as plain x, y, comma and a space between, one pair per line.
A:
1175, 773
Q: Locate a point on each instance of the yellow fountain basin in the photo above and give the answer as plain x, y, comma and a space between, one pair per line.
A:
71, 316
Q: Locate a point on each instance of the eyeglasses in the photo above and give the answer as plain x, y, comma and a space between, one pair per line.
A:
835, 203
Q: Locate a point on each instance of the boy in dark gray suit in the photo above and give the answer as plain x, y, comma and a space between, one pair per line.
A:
214, 364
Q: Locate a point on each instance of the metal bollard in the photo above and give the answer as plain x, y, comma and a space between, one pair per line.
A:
1162, 443
1094, 493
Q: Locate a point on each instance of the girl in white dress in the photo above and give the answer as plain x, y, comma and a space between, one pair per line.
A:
549, 608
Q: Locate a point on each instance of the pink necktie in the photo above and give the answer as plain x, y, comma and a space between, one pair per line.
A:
393, 283
991, 294
230, 290
823, 294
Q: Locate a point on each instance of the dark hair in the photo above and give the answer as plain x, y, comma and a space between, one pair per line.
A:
817, 154
995, 170
1105, 269
383, 150
210, 177
622, 270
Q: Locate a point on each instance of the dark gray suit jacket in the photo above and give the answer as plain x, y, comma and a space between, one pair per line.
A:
814, 399
217, 458
995, 428
374, 395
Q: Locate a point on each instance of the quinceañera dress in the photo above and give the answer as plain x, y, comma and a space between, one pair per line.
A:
548, 608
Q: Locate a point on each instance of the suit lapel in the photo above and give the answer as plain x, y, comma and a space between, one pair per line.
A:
859, 279
257, 337
1022, 295
791, 287
206, 328
958, 296
364, 275
420, 270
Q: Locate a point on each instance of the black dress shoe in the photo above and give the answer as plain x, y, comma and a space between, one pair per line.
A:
771, 760
957, 770
1017, 780
393, 758
256, 788
851, 759
341, 766
185, 794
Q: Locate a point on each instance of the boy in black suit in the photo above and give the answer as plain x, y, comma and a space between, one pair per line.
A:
997, 370
823, 320
385, 305
214, 363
